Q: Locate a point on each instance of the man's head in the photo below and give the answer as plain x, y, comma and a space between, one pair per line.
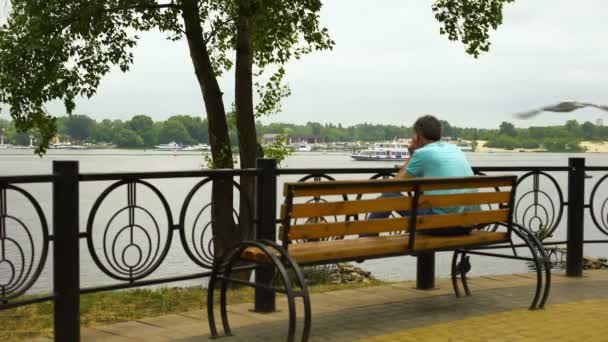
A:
428, 129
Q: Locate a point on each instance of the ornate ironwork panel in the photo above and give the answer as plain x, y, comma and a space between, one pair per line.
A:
133, 243
598, 205
23, 250
197, 237
536, 209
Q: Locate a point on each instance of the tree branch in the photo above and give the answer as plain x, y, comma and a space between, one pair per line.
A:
84, 14
157, 6
215, 30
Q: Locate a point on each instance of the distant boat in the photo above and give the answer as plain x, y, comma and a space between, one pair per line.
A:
466, 147
199, 147
21, 147
64, 146
77, 147
303, 147
172, 146
386, 151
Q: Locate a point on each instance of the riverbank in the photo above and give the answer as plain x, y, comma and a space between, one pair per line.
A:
481, 147
595, 146
587, 146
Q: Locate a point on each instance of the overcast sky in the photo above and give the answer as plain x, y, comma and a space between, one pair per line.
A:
390, 64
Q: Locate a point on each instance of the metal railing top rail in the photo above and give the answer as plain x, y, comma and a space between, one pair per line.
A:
345, 170
348, 170
27, 179
521, 168
596, 168
88, 177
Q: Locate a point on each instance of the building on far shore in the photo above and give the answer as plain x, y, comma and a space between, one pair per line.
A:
270, 138
599, 122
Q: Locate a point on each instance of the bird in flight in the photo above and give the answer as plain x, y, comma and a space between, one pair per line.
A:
562, 107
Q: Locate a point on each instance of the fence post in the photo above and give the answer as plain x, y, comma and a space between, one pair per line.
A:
425, 271
266, 208
66, 271
576, 217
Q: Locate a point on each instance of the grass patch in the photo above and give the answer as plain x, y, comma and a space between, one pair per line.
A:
117, 306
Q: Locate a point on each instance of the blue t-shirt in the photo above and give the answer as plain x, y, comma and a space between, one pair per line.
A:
441, 159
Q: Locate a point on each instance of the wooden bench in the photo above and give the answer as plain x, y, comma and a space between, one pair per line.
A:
321, 224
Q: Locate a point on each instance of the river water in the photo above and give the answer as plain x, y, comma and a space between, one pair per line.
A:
14, 162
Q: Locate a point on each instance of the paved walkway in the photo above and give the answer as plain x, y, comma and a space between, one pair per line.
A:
560, 322
398, 312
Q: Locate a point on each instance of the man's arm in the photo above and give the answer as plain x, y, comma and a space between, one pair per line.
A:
403, 170
414, 145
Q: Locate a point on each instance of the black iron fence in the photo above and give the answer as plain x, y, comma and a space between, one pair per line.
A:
128, 241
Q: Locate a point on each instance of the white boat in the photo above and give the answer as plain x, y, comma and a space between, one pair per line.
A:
172, 146
385, 151
199, 147
303, 147
466, 147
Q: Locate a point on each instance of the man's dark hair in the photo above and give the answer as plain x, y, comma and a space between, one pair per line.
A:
429, 127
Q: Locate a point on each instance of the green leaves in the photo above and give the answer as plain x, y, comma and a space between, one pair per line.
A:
60, 50
469, 21
278, 149
286, 29
271, 93
283, 30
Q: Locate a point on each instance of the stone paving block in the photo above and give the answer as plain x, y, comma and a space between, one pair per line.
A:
135, 329
95, 335
409, 291
195, 314
169, 321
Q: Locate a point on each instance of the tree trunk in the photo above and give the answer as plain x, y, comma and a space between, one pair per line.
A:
224, 233
245, 119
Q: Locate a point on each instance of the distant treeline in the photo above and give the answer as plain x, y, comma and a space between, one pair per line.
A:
142, 131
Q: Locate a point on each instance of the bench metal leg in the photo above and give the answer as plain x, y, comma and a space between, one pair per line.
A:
544, 262
455, 274
218, 269
222, 273
539, 257
460, 268
301, 283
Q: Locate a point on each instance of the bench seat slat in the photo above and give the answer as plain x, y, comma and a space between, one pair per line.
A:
347, 190
350, 207
394, 204
477, 184
329, 229
312, 252
462, 219
326, 188
452, 200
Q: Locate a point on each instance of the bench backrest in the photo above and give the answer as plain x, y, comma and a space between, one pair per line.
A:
308, 214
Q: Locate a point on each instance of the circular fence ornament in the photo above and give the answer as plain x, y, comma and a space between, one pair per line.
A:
197, 238
133, 243
23, 252
599, 205
319, 199
539, 204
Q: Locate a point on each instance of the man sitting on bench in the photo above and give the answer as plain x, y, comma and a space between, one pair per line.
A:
431, 157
